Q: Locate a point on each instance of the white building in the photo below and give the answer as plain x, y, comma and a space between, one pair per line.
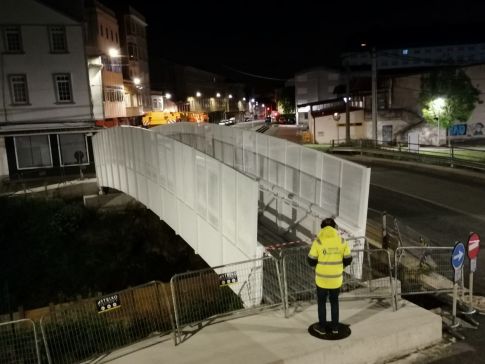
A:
46, 111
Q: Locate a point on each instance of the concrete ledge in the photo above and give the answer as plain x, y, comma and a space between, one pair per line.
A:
378, 334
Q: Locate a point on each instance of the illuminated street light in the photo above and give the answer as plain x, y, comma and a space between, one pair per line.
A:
113, 52
136, 81
262, 105
252, 100
168, 95
230, 96
218, 94
198, 94
244, 99
437, 106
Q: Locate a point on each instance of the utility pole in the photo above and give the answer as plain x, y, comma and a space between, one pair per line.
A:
374, 95
347, 105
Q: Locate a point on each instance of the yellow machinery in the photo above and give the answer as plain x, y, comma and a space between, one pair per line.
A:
154, 118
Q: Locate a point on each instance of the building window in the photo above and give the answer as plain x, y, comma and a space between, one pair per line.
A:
13, 40
73, 149
132, 51
112, 37
18, 89
63, 87
57, 36
101, 29
116, 37
33, 151
112, 94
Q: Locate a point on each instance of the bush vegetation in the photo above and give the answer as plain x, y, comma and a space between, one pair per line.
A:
55, 250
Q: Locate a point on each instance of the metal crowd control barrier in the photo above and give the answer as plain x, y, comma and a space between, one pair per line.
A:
88, 328
424, 270
18, 342
369, 276
230, 290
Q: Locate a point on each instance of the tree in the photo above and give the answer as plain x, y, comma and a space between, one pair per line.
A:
287, 100
447, 95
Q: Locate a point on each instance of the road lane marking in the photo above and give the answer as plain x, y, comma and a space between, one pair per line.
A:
458, 211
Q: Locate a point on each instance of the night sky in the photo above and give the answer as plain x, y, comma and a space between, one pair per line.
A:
274, 39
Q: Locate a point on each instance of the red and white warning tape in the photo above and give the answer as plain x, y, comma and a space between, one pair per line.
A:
282, 245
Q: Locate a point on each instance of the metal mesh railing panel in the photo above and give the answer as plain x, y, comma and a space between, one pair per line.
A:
18, 342
229, 289
80, 330
423, 270
369, 275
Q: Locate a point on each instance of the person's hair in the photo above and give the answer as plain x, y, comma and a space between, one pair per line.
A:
328, 222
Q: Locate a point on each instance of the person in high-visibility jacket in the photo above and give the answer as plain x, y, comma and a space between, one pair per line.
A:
329, 254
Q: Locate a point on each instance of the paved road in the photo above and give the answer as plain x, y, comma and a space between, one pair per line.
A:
444, 211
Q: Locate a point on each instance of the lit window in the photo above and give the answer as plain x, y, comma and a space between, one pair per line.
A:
33, 151
73, 149
57, 37
132, 51
13, 40
18, 89
405, 52
63, 87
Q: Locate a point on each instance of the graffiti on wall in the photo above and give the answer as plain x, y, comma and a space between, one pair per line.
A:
467, 130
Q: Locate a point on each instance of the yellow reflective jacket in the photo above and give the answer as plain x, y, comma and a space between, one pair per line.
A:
329, 249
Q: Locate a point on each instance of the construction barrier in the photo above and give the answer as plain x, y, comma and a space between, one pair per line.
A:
424, 270
228, 290
91, 327
372, 279
18, 342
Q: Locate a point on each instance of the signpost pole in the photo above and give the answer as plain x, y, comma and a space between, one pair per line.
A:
455, 293
471, 292
473, 248
457, 259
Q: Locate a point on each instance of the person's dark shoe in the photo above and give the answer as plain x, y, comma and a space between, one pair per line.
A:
319, 329
334, 330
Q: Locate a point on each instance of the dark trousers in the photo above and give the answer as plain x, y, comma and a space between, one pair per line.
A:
332, 294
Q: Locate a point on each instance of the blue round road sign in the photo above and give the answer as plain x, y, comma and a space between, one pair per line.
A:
458, 256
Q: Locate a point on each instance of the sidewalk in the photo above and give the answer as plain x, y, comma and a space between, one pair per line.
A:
378, 334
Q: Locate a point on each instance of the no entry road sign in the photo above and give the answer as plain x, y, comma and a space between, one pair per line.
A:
473, 245
473, 250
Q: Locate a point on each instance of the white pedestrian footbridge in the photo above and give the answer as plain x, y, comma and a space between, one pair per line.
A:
210, 183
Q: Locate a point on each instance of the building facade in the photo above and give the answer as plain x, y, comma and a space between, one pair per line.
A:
134, 56
422, 56
46, 114
104, 60
314, 85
